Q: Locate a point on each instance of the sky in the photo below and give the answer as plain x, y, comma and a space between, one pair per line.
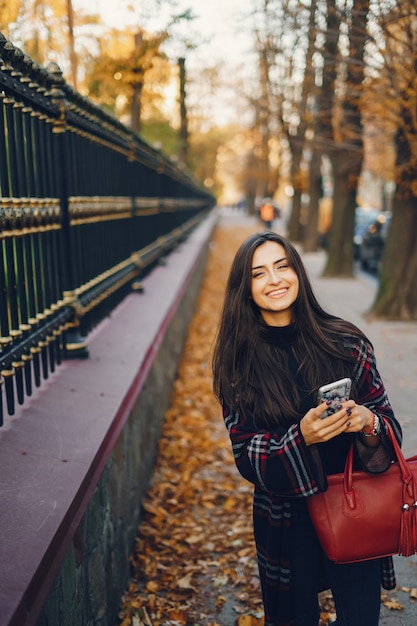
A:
221, 29
220, 23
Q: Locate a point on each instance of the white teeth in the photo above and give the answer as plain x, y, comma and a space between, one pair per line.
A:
277, 292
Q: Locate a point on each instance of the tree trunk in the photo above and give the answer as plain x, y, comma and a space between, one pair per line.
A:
183, 151
397, 294
322, 125
294, 227
136, 108
310, 237
340, 257
296, 141
264, 120
347, 154
73, 56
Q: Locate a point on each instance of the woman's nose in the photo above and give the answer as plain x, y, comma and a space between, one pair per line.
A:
273, 278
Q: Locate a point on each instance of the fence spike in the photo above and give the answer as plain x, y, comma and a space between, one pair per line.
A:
27, 360
18, 370
8, 383
35, 351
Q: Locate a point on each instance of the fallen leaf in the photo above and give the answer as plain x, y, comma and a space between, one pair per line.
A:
178, 616
152, 586
248, 620
220, 581
194, 539
185, 583
145, 617
392, 604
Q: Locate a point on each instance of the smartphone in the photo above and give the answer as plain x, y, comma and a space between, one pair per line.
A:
336, 392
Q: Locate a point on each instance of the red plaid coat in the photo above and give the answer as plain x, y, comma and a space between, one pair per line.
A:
281, 466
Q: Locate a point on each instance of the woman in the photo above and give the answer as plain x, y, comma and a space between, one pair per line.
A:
275, 347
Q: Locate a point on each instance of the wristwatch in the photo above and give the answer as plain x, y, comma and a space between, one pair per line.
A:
376, 428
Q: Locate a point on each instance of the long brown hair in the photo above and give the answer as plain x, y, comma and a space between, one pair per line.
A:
248, 373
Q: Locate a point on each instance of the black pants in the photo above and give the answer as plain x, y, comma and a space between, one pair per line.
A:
356, 587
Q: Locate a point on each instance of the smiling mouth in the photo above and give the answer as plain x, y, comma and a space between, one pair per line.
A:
277, 292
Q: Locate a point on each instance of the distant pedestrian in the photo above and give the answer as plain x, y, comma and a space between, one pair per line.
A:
268, 212
275, 347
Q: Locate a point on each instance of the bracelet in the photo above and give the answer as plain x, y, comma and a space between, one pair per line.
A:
376, 428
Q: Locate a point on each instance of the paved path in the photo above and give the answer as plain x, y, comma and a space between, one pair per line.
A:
395, 345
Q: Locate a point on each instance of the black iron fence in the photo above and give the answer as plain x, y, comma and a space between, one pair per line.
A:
86, 208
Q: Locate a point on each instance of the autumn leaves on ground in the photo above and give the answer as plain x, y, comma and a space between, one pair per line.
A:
194, 561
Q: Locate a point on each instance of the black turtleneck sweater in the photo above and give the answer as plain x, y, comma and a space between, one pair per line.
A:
334, 451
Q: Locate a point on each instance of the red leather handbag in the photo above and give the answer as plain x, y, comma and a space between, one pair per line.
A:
364, 516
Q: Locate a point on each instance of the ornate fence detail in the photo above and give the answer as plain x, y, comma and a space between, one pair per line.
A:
86, 207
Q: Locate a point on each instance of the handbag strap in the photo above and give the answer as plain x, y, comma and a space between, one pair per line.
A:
406, 474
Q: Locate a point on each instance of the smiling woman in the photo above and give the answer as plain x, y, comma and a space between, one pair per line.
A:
275, 347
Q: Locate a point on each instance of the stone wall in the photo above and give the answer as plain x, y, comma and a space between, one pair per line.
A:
98, 532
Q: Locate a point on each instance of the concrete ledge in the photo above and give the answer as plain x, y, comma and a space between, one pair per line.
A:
75, 430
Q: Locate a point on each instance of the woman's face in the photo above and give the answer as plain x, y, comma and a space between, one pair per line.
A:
274, 284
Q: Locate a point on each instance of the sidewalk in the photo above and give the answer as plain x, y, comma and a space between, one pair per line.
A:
194, 559
395, 345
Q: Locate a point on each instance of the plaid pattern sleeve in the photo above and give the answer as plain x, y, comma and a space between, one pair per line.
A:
277, 462
369, 382
372, 394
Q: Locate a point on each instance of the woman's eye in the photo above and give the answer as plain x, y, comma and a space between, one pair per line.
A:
282, 266
257, 274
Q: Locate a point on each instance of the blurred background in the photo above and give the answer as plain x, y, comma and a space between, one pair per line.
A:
310, 104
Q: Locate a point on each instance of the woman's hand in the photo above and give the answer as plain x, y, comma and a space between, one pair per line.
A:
350, 418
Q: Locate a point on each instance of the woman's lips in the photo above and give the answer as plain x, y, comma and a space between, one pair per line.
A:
276, 293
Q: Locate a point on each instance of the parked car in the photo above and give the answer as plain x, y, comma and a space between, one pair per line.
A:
363, 219
373, 242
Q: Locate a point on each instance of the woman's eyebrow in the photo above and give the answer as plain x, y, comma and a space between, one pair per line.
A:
257, 267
